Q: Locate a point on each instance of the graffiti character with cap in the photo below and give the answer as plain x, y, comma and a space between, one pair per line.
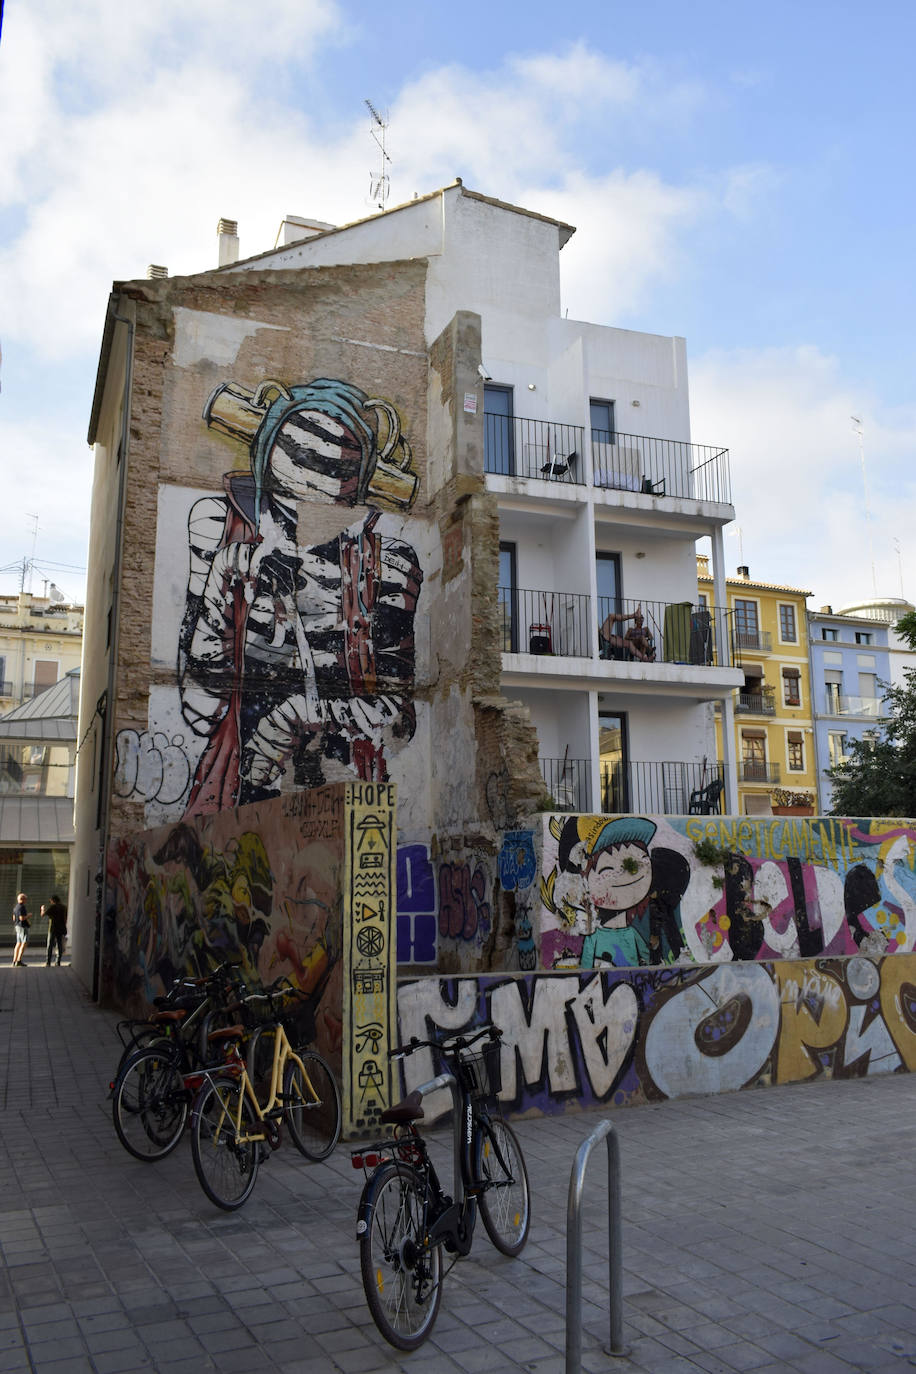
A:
618, 878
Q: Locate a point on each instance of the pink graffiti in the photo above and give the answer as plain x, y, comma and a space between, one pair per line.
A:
463, 910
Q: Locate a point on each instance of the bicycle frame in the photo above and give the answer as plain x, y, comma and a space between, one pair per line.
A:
235, 1064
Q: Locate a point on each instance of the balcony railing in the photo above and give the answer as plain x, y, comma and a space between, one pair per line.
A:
660, 467
516, 447
839, 705
758, 641
670, 632
545, 622
757, 703
35, 689
569, 783
665, 789
749, 770
6, 687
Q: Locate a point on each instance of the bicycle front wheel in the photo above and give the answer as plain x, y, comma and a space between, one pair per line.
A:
226, 1149
503, 1200
401, 1274
311, 1106
149, 1104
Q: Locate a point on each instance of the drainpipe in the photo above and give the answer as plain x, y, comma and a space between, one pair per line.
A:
105, 770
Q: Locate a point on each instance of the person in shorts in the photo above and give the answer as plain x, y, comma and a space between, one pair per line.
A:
22, 923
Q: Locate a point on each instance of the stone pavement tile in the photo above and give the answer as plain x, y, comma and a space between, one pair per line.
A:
364, 1361
73, 1365
822, 1362
121, 1362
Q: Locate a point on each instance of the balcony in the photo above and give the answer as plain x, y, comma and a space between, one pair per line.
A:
838, 705
671, 632
756, 703
6, 687
569, 783
660, 467
660, 789
755, 641
541, 449
752, 770
551, 623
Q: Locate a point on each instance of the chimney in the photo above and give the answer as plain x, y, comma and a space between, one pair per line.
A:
826, 610
744, 571
155, 273
227, 234
295, 227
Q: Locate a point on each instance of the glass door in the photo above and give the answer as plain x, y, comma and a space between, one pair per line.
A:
613, 763
607, 573
508, 598
498, 439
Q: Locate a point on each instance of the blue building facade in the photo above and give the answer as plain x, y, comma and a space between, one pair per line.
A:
849, 660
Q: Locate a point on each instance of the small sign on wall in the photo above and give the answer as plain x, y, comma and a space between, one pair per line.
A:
470, 402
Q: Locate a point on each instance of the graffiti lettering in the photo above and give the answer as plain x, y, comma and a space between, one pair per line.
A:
464, 912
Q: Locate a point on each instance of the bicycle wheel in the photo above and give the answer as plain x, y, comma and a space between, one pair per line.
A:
401, 1276
504, 1201
226, 1159
312, 1108
149, 1104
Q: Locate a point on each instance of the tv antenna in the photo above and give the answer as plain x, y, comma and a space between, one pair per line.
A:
859, 430
379, 185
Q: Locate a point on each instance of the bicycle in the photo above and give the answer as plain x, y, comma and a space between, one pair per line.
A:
160, 1068
405, 1220
230, 1128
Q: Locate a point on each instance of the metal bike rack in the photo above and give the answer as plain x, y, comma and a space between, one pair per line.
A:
574, 1249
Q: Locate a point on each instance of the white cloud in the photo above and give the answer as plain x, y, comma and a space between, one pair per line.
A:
797, 479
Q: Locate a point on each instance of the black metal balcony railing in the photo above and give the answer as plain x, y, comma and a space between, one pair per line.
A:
758, 641
516, 447
6, 687
569, 783
660, 467
35, 689
757, 703
752, 770
666, 789
545, 622
670, 632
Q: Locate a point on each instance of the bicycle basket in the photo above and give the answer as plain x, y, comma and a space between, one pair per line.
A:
482, 1072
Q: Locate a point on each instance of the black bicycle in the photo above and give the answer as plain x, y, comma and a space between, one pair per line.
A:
405, 1220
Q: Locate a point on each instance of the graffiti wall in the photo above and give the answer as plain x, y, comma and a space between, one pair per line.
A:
579, 1039
639, 891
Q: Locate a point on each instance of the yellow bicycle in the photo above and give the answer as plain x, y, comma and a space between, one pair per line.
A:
231, 1131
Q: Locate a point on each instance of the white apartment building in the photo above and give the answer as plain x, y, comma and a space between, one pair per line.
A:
602, 498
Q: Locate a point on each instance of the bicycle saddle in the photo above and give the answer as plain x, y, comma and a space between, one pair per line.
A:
409, 1108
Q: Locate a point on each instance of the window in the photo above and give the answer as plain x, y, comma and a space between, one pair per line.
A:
498, 433
45, 675
831, 635
863, 636
754, 756
746, 626
836, 747
508, 598
607, 576
833, 690
787, 631
796, 751
791, 687
601, 419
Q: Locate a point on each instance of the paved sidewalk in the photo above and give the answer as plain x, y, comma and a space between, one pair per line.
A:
770, 1230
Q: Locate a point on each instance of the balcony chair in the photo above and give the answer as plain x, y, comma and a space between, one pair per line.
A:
560, 465
707, 801
650, 488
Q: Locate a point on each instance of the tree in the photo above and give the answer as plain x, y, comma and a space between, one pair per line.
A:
878, 777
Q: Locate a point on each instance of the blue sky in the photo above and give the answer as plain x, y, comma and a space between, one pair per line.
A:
739, 174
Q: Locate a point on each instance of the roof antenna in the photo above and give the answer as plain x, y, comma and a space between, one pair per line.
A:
379, 185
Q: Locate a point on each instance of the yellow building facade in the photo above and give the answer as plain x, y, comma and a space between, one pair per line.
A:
774, 725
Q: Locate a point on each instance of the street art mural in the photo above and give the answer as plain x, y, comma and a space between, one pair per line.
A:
637, 891
449, 903
294, 662
259, 886
579, 1039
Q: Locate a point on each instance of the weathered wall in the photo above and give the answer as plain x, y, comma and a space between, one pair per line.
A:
300, 886
639, 890
578, 1039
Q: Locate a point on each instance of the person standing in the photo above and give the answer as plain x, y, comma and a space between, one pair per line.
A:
22, 924
56, 913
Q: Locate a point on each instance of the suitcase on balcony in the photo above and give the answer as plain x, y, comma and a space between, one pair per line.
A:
540, 640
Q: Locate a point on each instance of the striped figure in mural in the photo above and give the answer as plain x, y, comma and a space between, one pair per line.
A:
296, 660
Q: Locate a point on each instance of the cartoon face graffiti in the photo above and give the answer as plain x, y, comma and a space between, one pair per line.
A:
618, 878
290, 657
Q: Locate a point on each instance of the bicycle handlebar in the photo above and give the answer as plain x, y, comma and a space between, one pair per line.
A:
449, 1046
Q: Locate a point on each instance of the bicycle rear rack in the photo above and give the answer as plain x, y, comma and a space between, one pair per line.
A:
574, 1249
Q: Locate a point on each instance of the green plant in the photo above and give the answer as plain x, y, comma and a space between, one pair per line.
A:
630, 865
784, 796
710, 853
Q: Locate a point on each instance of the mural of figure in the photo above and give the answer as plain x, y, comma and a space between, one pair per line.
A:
618, 876
289, 656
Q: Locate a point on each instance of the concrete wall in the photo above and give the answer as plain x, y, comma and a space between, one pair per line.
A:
578, 1039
